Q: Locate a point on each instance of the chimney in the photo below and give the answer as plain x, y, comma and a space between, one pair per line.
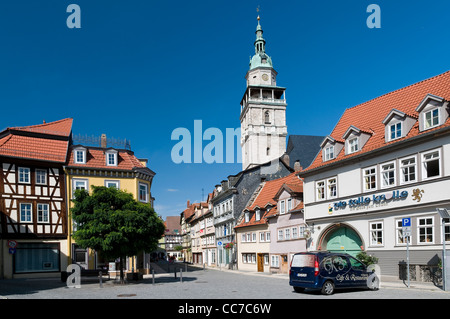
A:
103, 141
188, 204
297, 166
285, 159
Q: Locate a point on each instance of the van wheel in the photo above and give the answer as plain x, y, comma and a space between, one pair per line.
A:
299, 289
328, 288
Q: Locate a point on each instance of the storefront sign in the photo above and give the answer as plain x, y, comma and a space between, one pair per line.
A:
374, 199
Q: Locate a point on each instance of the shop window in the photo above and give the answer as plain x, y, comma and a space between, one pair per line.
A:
36, 257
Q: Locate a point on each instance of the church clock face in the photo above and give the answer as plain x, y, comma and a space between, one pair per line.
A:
265, 77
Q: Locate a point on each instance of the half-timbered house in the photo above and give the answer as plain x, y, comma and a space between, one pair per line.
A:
33, 213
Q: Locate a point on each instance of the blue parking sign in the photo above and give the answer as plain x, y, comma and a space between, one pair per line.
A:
406, 222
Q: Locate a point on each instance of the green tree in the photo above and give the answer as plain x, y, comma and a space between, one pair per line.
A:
113, 222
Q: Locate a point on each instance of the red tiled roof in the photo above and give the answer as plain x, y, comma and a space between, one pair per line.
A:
96, 158
266, 196
62, 127
369, 116
37, 147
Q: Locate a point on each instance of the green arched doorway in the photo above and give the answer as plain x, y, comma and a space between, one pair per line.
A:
344, 239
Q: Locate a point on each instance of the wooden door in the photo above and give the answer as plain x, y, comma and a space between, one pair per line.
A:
260, 263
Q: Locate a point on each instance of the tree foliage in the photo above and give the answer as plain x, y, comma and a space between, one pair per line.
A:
113, 222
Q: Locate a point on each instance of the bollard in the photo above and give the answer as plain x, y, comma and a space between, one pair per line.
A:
100, 275
175, 272
153, 276
185, 267
181, 275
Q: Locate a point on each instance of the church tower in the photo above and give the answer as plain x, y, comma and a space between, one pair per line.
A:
263, 110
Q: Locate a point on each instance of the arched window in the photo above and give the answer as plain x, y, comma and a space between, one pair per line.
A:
267, 117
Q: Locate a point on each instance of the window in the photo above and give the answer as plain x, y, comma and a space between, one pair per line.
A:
24, 175
79, 184
266, 117
332, 188
356, 264
289, 204
431, 164
370, 178
80, 156
353, 145
425, 228
246, 217
431, 118
376, 234
329, 153
111, 158
388, 174
395, 131
41, 176
114, 184
25, 212
400, 239
143, 192
268, 236
287, 234
280, 234
262, 237
42, 213
320, 190
447, 229
408, 170
37, 257
282, 207
294, 232
258, 215
254, 237
274, 261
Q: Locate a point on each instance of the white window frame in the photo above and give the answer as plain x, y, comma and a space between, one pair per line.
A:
42, 213
353, 145
280, 234
74, 184
407, 167
329, 185
288, 205
39, 176
425, 126
369, 175
246, 217
111, 182
28, 213
384, 171
268, 236
282, 207
294, 232
376, 233
329, 153
424, 162
146, 192
111, 155
76, 159
258, 215
24, 175
274, 261
399, 239
395, 126
426, 227
320, 190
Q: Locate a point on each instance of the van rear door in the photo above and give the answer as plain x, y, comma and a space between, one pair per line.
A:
302, 268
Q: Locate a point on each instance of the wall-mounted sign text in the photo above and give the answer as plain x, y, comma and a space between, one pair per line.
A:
374, 199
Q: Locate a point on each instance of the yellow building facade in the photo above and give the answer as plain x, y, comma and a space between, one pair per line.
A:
89, 166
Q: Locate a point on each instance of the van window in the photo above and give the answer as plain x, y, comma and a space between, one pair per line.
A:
303, 261
356, 264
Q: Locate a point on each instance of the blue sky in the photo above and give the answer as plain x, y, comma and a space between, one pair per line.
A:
140, 69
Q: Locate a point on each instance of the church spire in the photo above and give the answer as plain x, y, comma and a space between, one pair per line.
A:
260, 58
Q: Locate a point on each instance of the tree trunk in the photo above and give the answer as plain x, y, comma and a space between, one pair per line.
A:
122, 280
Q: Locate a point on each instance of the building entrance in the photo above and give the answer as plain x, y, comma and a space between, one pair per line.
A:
344, 240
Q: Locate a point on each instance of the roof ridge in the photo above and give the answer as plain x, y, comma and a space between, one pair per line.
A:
398, 90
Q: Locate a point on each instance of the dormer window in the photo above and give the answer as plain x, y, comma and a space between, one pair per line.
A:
111, 158
353, 145
431, 112
258, 215
395, 130
79, 155
329, 153
431, 118
247, 217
